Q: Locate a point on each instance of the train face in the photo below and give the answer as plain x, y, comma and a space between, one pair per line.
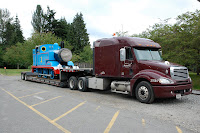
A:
48, 59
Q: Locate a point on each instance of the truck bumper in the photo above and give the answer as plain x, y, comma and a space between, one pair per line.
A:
171, 91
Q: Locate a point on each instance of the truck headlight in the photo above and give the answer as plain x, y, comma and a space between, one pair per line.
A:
165, 81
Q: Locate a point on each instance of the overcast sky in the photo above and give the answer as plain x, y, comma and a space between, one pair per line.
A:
103, 17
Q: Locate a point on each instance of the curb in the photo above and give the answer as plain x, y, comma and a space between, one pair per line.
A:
195, 92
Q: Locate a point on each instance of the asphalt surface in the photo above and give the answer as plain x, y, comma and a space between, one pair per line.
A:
29, 107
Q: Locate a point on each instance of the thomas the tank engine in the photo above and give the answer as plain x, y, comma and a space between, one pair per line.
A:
48, 59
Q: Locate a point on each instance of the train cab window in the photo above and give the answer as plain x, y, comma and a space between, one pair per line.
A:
129, 55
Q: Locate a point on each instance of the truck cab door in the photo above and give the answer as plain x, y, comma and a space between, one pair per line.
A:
126, 62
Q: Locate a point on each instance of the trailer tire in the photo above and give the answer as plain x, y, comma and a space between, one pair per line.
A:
72, 83
82, 84
144, 92
63, 84
25, 77
22, 76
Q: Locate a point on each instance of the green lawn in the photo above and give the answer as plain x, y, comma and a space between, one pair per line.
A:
195, 80
13, 72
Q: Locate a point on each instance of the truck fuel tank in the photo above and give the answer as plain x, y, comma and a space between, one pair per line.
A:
123, 86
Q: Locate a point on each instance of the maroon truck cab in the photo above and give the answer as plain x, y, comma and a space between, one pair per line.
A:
134, 65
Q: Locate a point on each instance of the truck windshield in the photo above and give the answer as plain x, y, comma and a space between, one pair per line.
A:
148, 54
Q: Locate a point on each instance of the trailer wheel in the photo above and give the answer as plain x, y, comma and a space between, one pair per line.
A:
25, 77
144, 92
73, 83
82, 84
63, 84
22, 76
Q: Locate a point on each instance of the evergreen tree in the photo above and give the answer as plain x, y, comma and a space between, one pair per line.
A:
49, 20
78, 34
4, 19
9, 34
38, 19
19, 35
62, 29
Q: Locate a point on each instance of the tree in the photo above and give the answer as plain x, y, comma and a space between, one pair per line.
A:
19, 35
14, 55
4, 19
62, 29
9, 34
38, 20
87, 54
49, 20
78, 34
180, 41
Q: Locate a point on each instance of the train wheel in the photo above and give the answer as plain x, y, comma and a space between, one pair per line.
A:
72, 83
82, 84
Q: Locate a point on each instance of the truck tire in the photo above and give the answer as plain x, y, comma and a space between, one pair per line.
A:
22, 76
72, 83
144, 92
82, 84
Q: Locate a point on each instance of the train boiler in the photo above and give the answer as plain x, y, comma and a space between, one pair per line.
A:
49, 59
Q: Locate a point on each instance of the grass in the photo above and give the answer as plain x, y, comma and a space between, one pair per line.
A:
195, 81
14, 72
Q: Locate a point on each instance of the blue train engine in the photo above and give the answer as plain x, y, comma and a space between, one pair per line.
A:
49, 59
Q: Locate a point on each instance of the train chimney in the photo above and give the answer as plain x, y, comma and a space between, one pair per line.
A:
62, 44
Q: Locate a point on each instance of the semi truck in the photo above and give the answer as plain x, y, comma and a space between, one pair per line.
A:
127, 65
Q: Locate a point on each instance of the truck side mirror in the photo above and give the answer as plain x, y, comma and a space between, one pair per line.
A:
122, 54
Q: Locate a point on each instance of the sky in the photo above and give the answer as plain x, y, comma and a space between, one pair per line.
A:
103, 17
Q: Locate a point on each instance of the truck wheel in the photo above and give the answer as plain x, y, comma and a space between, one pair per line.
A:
73, 83
144, 92
22, 76
82, 84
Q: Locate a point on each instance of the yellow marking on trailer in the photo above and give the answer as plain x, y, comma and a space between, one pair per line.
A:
56, 119
37, 112
178, 130
45, 101
33, 94
112, 122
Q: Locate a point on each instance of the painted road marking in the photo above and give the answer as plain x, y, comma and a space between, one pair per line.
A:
45, 101
39, 97
178, 130
33, 94
97, 108
37, 112
56, 119
143, 122
111, 122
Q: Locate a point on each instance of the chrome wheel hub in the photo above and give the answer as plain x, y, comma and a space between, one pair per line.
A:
143, 92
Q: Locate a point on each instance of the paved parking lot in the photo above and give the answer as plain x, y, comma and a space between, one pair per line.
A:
35, 107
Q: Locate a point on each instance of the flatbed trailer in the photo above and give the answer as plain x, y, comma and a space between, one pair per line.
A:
61, 81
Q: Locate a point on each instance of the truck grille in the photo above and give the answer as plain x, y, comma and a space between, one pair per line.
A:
179, 73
